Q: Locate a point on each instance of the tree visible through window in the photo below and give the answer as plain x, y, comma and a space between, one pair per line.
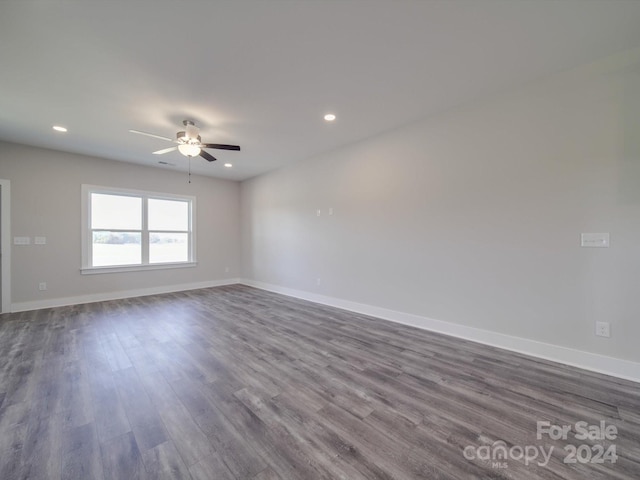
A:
127, 228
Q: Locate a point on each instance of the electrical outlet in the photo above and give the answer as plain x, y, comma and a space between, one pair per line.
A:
42, 286
603, 329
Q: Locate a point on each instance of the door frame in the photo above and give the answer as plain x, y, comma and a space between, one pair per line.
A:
5, 243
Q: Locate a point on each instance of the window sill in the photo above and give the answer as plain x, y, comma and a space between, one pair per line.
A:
135, 268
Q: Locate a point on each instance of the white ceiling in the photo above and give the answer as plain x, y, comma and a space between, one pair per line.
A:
263, 73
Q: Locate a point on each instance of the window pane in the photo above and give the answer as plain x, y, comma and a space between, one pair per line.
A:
168, 247
116, 248
116, 212
168, 215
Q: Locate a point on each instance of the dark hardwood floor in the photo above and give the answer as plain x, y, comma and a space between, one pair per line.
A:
237, 383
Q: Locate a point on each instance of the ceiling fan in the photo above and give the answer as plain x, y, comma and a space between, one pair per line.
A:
189, 142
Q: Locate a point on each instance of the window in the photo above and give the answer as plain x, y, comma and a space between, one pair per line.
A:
133, 230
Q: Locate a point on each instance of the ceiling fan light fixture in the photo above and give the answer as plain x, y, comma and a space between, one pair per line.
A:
189, 150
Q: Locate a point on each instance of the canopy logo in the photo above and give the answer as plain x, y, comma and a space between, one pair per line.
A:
499, 453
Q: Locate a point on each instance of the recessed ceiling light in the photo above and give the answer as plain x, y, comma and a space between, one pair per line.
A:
228, 165
58, 128
329, 117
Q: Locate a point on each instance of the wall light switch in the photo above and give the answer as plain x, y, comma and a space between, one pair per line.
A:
599, 240
40, 240
22, 240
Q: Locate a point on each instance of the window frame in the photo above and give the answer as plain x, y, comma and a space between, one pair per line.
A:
87, 232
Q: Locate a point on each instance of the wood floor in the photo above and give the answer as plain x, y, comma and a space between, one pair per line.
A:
237, 383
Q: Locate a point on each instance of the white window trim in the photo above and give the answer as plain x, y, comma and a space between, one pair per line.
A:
87, 269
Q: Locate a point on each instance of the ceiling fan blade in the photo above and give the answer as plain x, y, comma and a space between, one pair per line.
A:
165, 150
220, 146
151, 135
207, 157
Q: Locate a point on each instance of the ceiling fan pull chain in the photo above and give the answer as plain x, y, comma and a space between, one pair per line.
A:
189, 168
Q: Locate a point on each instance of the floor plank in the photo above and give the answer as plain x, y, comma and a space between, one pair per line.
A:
241, 384
121, 458
81, 453
163, 462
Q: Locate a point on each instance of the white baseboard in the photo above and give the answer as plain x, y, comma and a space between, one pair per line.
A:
577, 358
101, 297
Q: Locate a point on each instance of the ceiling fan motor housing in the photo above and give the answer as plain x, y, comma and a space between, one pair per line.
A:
183, 137
191, 130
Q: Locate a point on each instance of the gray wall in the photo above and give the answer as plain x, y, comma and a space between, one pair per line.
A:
474, 217
46, 201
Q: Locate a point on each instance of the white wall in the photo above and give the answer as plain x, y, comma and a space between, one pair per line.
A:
46, 201
474, 217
